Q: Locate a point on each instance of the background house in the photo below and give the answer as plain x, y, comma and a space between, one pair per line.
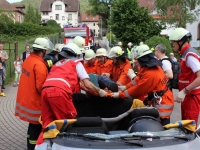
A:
92, 22
17, 11
64, 12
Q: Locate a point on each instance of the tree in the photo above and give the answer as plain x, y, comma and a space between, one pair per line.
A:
30, 15
177, 12
53, 23
6, 18
38, 16
98, 7
132, 23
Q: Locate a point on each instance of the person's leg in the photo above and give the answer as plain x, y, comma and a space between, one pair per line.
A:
15, 81
190, 107
164, 121
34, 132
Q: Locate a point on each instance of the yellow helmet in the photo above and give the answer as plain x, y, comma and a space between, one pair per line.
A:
89, 54
101, 52
115, 52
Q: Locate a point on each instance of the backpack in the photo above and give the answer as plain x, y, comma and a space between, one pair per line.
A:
173, 83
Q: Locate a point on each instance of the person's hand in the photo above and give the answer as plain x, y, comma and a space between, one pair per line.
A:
102, 93
180, 97
131, 74
115, 95
121, 88
106, 74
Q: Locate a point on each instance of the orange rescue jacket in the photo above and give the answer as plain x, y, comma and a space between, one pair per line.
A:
119, 73
105, 68
91, 69
28, 102
151, 80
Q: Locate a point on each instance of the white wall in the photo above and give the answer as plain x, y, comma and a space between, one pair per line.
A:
193, 28
62, 14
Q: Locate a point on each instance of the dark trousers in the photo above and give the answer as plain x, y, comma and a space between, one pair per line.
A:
32, 135
164, 121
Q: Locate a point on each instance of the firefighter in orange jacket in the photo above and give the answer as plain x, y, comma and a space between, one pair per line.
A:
61, 83
90, 62
151, 80
121, 65
28, 102
104, 64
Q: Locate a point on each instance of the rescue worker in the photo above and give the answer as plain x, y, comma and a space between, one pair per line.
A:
61, 83
104, 64
28, 102
189, 77
150, 80
80, 42
52, 57
90, 62
120, 67
128, 52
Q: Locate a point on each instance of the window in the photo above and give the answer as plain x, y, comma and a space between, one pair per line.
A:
45, 13
69, 16
93, 24
57, 16
63, 17
51, 17
58, 7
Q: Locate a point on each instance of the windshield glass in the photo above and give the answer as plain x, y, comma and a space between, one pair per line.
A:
73, 33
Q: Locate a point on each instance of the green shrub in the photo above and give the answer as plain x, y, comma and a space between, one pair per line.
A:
155, 40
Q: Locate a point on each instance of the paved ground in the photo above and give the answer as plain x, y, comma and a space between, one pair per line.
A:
13, 131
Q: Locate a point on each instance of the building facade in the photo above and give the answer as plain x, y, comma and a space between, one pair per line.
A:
14, 11
64, 12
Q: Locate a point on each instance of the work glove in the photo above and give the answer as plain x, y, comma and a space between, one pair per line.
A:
180, 97
115, 95
102, 93
131, 74
121, 88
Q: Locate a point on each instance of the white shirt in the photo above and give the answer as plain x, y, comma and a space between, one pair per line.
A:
82, 74
193, 63
166, 64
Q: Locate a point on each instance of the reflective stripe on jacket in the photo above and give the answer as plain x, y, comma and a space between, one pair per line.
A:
151, 80
64, 75
28, 103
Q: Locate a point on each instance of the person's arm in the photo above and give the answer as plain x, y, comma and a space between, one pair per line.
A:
194, 64
83, 76
167, 68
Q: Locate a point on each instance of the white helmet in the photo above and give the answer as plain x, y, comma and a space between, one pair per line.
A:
42, 44
58, 47
70, 47
78, 40
141, 43
129, 44
178, 34
89, 54
115, 52
120, 43
142, 50
101, 52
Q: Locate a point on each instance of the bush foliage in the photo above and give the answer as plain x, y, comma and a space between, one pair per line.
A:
155, 40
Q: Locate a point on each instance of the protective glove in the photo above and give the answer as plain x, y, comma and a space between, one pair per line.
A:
180, 97
102, 93
131, 74
115, 95
121, 88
